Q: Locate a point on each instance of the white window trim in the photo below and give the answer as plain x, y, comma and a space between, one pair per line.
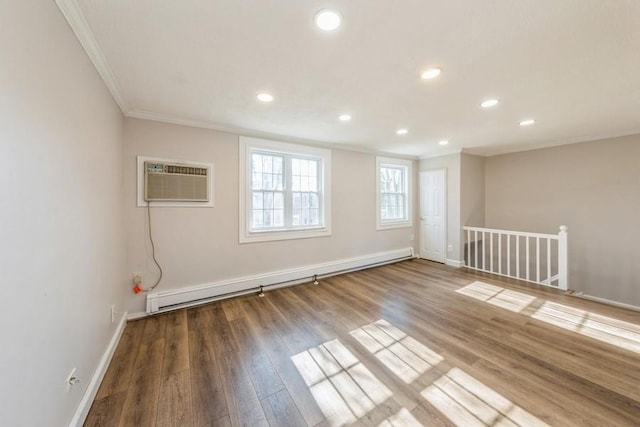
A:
246, 144
403, 223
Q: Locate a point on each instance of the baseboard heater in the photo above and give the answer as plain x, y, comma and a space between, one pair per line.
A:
171, 300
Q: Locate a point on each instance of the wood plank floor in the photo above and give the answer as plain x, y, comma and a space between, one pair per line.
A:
413, 343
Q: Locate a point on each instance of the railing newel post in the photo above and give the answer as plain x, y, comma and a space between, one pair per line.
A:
563, 258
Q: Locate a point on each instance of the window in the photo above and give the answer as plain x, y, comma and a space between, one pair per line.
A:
284, 191
393, 177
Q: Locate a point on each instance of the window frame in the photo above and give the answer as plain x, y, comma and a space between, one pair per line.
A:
407, 167
249, 145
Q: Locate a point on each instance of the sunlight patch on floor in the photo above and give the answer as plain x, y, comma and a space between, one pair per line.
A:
344, 389
467, 402
501, 297
400, 353
606, 329
613, 331
403, 418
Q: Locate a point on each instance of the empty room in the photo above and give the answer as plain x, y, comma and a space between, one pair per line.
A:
320, 213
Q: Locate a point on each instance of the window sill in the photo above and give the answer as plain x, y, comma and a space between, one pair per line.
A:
393, 225
275, 235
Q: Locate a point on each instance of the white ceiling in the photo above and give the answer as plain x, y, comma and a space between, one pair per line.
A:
572, 65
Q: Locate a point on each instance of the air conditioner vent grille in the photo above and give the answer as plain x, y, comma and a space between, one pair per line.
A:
176, 183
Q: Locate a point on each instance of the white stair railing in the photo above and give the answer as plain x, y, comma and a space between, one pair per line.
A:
532, 257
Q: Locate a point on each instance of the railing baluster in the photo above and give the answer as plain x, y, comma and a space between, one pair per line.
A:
517, 256
475, 264
491, 252
538, 259
508, 255
484, 250
527, 258
549, 261
499, 253
468, 247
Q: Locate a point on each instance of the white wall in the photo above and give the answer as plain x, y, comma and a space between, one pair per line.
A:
594, 189
200, 245
62, 248
451, 163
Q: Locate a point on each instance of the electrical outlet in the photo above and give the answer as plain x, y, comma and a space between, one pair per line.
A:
72, 379
450, 248
137, 278
411, 238
113, 313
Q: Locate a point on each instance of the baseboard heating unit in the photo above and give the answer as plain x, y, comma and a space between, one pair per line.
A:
173, 299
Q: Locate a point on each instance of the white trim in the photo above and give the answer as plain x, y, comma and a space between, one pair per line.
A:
441, 154
608, 302
175, 120
511, 233
73, 14
454, 263
491, 151
193, 295
408, 167
244, 234
137, 315
140, 184
92, 389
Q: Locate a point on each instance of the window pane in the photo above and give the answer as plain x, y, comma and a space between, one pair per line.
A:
271, 204
256, 218
256, 163
257, 200
256, 181
268, 218
278, 201
277, 165
268, 201
278, 218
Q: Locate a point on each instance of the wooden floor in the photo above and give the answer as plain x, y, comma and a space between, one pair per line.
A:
413, 343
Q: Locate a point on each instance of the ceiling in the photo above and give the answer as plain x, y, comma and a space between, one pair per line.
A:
572, 65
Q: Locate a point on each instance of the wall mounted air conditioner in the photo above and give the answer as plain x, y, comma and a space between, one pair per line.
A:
174, 183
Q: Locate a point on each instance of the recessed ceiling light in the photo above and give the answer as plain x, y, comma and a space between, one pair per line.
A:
402, 131
527, 122
265, 97
327, 19
443, 142
489, 103
431, 73
344, 118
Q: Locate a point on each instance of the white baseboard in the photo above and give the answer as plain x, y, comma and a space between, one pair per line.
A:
137, 315
178, 298
608, 302
454, 263
87, 399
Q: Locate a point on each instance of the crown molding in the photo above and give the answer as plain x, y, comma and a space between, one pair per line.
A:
73, 14
497, 151
442, 153
167, 118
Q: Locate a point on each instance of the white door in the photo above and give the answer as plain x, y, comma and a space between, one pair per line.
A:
433, 215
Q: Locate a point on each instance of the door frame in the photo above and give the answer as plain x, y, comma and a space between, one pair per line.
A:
445, 234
